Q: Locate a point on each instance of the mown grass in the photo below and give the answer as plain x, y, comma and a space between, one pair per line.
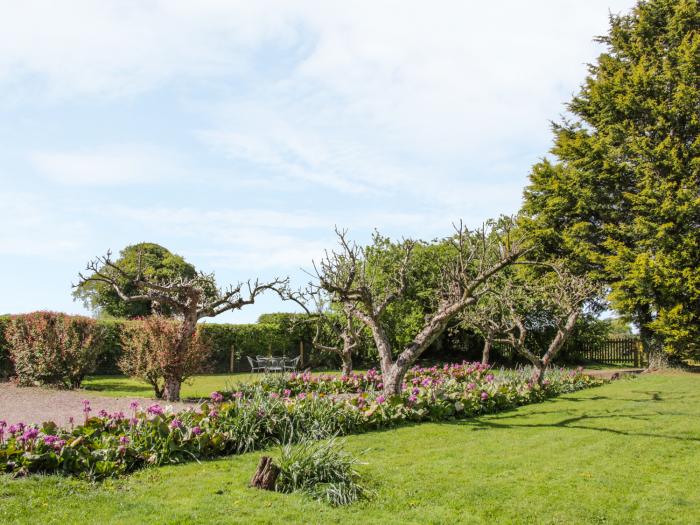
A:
194, 388
628, 452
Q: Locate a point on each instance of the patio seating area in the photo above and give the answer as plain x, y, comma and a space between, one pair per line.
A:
273, 364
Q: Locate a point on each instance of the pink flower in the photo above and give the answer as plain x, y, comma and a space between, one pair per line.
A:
412, 399
175, 423
274, 395
302, 396
484, 396
380, 399
216, 397
102, 413
287, 392
489, 378
155, 410
124, 440
134, 405
213, 414
471, 386
196, 431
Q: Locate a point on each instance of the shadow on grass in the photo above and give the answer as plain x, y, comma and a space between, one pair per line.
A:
574, 422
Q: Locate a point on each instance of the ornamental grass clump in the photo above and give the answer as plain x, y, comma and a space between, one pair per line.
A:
322, 469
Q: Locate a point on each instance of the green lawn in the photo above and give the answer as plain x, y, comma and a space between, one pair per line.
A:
196, 387
628, 452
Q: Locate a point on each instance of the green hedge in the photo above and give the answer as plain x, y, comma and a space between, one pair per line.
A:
275, 334
244, 339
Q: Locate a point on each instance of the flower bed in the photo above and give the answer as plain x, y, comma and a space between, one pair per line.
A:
285, 409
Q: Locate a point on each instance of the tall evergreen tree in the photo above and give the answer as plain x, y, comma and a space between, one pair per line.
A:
621, 199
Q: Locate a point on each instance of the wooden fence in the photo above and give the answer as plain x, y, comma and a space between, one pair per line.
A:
615, 351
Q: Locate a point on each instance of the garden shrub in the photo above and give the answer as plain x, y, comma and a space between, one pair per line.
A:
49, 348
149, 352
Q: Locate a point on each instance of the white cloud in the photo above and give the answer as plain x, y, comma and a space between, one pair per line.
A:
32, 226
106, 166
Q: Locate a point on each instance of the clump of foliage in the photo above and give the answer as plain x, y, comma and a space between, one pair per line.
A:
55, 349
322, 469
156, 262
620, 199
149, 352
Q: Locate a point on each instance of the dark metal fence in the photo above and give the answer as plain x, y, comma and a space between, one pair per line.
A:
614, 351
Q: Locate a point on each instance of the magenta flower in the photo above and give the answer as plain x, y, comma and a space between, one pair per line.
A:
134, 405
412, 399
213, 414
302, 396
102, 413
380, 399
175, 423
484, 396
471, 386
287, 392
155, 410
134, 421
490, 378
216, 397
124, 440
196, 431
30, 433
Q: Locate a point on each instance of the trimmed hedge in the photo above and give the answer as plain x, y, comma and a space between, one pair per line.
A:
244, 339
282, 334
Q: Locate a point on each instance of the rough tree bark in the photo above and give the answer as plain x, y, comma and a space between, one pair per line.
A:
265, 475
486, 352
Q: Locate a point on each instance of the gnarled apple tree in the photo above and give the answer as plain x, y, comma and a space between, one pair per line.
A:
190, 299
555, 299
367, 281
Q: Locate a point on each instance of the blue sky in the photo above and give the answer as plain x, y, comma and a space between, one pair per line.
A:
237, 134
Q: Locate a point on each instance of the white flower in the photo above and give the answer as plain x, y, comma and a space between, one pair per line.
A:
459, 406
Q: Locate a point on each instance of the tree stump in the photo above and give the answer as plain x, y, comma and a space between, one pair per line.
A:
266, 474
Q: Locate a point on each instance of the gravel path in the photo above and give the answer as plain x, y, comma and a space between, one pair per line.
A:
36, 405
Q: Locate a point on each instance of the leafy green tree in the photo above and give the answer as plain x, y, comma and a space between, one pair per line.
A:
621, 199
159, 265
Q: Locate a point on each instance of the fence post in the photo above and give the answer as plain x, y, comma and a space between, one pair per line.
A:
302, 361
637, 360
232, 360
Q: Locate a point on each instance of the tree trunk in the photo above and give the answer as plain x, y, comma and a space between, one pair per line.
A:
266, 474
538, 370
487, 350
347, 363
392, 380
171, 391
